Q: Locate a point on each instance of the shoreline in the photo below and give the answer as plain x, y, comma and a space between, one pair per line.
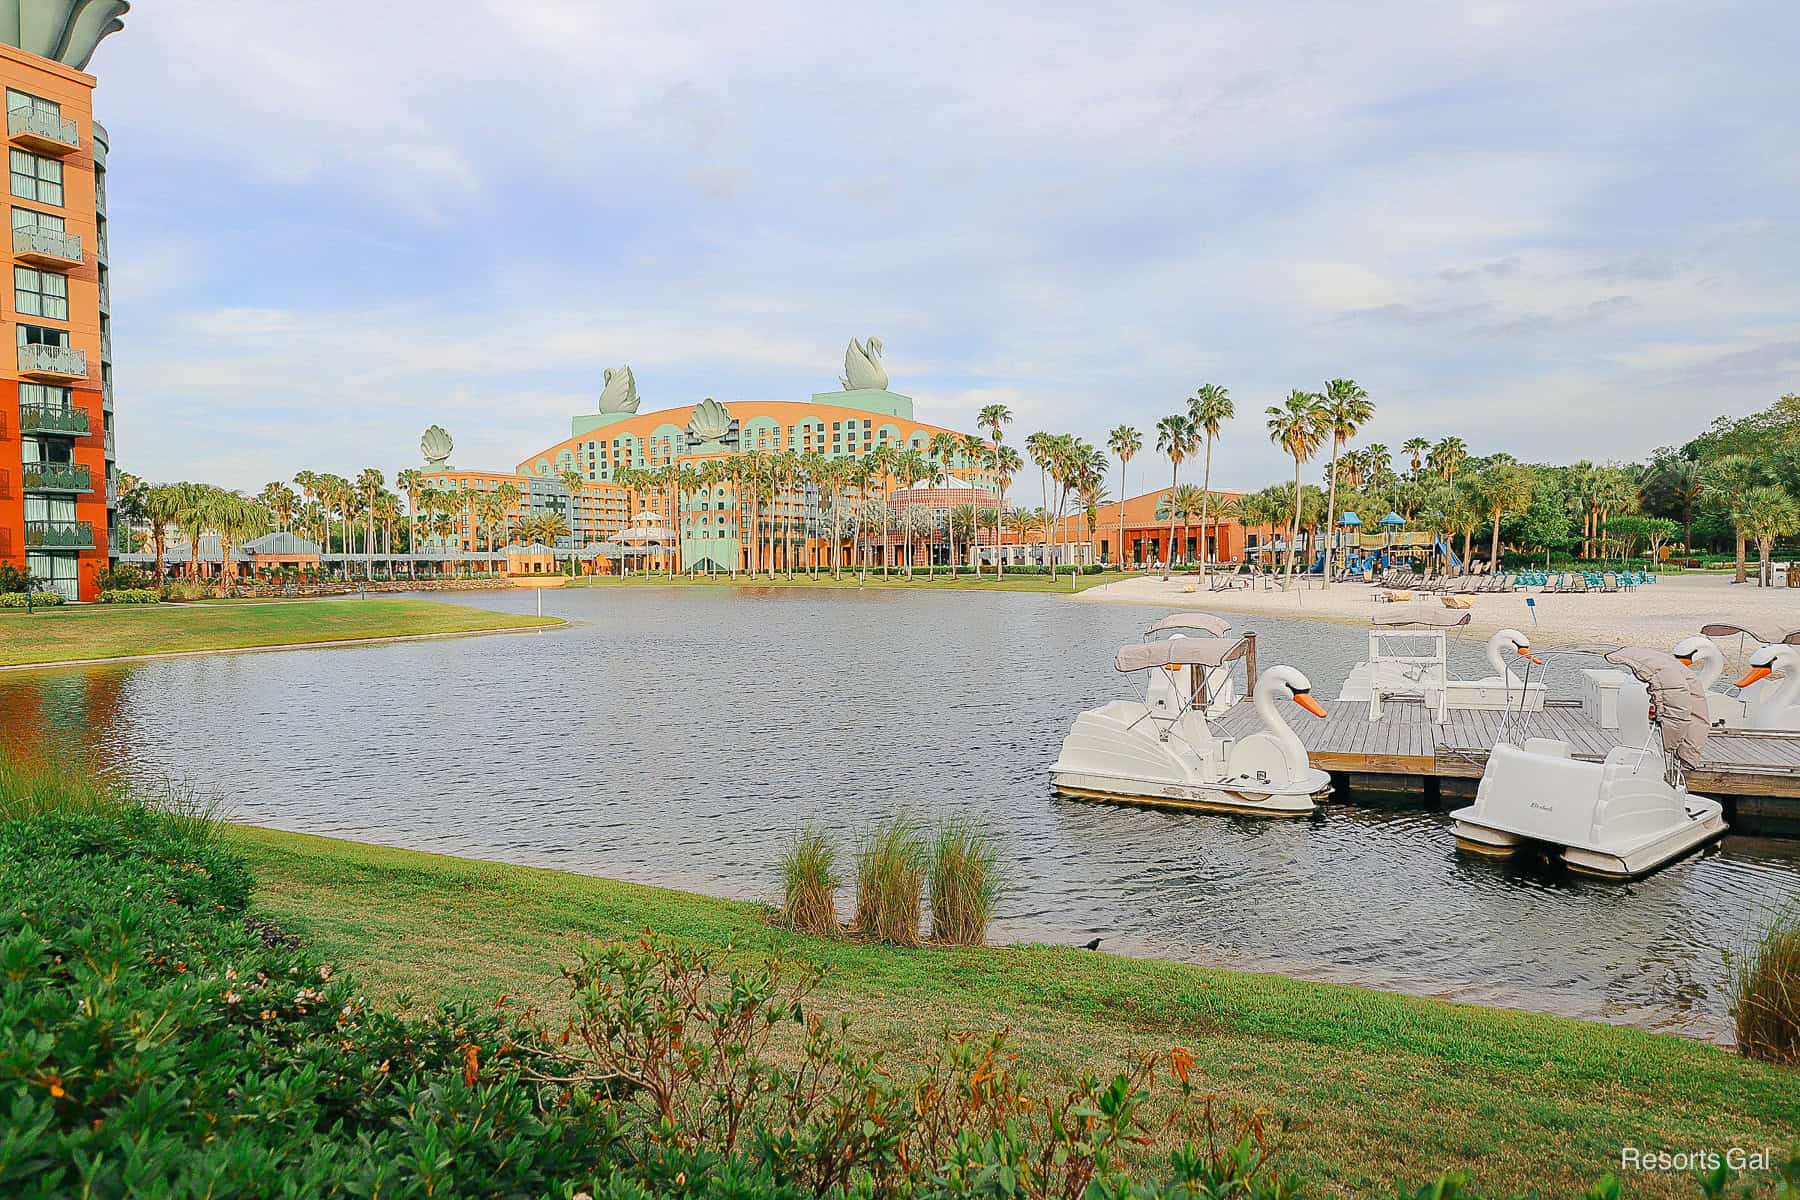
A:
435, 926
549, 624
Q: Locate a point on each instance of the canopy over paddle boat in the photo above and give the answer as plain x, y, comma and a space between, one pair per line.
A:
1409, 659
1171, 691
1620, 818
1147, 754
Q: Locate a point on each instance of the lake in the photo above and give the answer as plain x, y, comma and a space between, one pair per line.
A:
681, 736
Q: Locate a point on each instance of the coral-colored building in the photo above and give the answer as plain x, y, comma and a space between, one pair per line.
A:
743, 484
1147, 534
57, 475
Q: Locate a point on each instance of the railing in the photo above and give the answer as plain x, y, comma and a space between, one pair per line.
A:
109, 446
105, 345
58, 477
38, 418
100, 191
59, 535
105, 292
112, 493
60, 361
106, 396
37, 242
35, 124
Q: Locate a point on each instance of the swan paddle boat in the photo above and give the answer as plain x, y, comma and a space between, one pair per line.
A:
1701, 655
1409, 659
1769, 692
1620, 818
1138, 753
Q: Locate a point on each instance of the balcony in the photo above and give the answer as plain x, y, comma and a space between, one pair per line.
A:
59, 535
43, 132
55, 364
40, 247
110, 453
58, 477
37, 418
112, 493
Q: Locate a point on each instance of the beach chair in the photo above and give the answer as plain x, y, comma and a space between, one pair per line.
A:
1609, 582
1575, 583
1552, 584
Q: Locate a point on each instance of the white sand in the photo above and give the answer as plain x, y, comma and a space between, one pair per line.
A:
1657, 615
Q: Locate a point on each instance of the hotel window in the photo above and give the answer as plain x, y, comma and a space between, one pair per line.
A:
15, 100
38, 335
26, 218
37, 178
40, 294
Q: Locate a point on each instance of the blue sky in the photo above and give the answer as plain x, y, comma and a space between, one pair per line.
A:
1562, 229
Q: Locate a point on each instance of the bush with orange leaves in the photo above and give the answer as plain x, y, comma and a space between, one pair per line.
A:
739, 1065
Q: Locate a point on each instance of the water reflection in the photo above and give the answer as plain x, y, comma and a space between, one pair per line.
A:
681, 736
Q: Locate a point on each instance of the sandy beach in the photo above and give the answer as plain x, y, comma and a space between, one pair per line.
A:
1658, 615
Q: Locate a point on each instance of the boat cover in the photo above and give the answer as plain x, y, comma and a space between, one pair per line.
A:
1422, 614
1205, 621
1681, 709
1179, 652
1768, 634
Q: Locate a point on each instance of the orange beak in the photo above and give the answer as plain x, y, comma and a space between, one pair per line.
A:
1528, 654
1305, 700
1686, 660
1751, 676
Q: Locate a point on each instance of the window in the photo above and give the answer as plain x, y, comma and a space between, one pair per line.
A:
43, 395
38, 335
26, 218
15, 100
40, 294
36, 178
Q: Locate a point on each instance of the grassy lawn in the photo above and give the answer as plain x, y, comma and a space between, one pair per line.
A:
1387, 1088
940, 582
105, 631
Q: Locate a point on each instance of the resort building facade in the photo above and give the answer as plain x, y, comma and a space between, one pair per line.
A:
719, 486
57, 460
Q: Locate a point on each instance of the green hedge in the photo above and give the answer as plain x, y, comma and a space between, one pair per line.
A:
131, 596
38, 599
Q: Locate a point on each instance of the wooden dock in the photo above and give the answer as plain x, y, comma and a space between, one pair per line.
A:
1756, 775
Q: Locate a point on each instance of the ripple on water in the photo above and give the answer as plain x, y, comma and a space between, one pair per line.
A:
681, 736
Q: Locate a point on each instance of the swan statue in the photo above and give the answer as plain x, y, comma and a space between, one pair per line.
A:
1129, 751
1778, 709
862, 367
620, 393
1701, 655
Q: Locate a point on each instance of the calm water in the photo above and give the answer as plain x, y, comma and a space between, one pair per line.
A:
680, 737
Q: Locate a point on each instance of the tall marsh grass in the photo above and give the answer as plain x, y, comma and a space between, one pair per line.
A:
809, 885
890, 878
31, 787
964, 884
1765, 993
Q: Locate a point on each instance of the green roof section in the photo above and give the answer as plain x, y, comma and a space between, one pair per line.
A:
64, 31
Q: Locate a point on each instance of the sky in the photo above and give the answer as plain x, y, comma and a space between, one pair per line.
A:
1564, 230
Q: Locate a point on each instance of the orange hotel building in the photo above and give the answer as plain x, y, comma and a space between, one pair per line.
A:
715, 531
57, 462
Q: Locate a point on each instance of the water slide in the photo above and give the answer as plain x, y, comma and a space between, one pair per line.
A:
1449, 555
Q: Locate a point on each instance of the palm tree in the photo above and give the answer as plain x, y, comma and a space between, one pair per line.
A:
1686, 483
1175, 438
1765, 513
1415, 447
236, 520
960, 521
1208, 408
193, 512
909, 467
281, 501
1183, 503
993, 418
572, 481
162, 508
1728, 477
1344, 408
1502, 488
1297, 426
1124, 442
369, 485
976, 453
1449, 454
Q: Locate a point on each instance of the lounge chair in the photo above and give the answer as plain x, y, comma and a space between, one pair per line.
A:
1609, 582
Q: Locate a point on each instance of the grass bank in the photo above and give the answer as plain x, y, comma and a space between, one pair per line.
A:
1389, 1088
70, 634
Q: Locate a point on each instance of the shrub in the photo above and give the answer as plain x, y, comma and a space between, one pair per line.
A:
122, 579
890, 875
186, 589
12, 579
1765, 993
131, 596
963, 884
38, 599
809, 885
